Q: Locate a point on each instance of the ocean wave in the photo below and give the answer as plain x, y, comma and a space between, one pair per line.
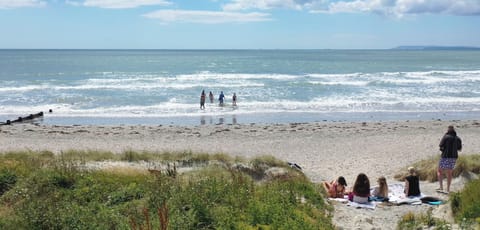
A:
316, 105
349, 83
397, 78
152, 81
369, 92
129, 87
233, 76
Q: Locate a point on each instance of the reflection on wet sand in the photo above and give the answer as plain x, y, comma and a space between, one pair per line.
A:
221, 120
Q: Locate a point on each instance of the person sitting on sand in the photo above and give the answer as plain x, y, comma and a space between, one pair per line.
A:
361, 189
221, 97
336, 188
381, 192
412, 186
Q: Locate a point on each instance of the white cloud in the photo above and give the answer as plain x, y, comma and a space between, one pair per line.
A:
206, 17
397, 8
10, 4
400, 8
119, 4
272, 4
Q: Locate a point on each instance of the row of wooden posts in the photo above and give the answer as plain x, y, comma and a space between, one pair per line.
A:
26, 118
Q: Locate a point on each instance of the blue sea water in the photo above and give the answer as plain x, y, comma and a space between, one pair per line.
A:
273, 86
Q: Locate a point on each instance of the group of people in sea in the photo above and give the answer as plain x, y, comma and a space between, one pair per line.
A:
221, 99
362, 193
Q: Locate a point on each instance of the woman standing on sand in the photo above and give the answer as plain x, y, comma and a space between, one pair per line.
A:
202, 100
361, 189
449, 145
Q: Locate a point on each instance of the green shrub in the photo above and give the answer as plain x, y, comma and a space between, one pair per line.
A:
466, 204
7, 180
62, 195
421, 221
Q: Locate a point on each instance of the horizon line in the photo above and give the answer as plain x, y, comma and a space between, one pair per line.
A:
401, 47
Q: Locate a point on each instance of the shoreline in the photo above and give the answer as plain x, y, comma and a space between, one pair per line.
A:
233, 118
325, 150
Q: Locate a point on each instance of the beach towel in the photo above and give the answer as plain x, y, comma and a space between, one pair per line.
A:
397, 196
369, 205
340, 200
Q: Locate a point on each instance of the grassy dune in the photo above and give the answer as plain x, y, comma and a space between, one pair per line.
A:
40, 190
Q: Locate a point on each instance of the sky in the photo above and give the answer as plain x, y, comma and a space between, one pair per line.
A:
237, 24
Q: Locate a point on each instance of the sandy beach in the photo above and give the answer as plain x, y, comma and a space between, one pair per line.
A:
324, 150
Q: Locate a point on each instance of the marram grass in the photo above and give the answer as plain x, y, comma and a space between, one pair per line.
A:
42, 190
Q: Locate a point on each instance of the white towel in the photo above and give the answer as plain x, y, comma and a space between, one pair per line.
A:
396, 195
369, 205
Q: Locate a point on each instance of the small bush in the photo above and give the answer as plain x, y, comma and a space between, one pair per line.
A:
466, 204
63, 181
421, 221
7, 180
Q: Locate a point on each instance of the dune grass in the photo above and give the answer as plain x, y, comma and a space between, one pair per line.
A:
466, 204
427, 169
422, 221
41, 190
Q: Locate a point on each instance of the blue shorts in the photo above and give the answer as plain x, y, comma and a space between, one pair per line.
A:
447, 163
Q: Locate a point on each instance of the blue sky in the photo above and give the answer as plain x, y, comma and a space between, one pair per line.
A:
238, 24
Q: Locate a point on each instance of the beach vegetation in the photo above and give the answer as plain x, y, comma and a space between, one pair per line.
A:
7, 180
43, 190
421, 221
427, 169
466, 203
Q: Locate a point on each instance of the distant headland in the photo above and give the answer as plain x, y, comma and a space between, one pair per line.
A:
436, 48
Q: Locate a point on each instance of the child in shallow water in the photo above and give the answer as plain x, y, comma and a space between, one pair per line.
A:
336, 188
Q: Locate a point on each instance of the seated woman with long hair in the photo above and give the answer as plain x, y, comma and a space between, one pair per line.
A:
380, 193
361, 189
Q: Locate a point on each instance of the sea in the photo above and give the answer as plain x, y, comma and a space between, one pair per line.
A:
150, 87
